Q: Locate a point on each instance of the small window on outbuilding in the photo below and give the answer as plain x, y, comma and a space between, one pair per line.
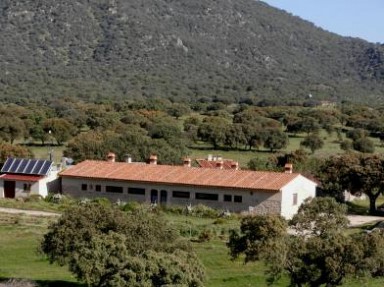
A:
27, 187
238, 198
294, 199
98, 187
84, 186
227, 197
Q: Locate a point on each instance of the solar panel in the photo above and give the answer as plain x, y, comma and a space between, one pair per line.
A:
7, 165
45, 168
26, 166
22, 166
15, 165
36, 169
30, 166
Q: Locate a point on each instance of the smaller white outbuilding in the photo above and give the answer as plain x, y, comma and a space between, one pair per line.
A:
25, 177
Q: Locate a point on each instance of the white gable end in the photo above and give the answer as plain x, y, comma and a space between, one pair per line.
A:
295, 193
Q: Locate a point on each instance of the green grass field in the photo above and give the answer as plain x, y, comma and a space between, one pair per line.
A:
20, 236
19, 257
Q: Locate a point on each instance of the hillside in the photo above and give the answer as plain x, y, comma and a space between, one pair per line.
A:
226, 50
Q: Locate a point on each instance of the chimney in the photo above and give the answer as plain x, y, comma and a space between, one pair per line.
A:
220, 164
187, 162
288, 168
127, 158
235, 165
111, 157
209, 157
153, 159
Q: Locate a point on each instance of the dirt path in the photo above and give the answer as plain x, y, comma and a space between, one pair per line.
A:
28, 212
356, 220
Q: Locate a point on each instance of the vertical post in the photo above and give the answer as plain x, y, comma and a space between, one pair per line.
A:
50, 152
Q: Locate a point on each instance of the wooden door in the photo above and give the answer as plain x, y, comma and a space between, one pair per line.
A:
9, 189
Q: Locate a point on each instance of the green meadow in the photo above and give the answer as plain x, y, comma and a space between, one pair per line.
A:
20, 236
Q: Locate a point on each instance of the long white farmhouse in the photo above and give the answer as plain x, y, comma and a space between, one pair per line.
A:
228, 189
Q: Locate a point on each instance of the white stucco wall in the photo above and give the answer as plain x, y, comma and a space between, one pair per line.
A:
259, 201
47, 184
303, 187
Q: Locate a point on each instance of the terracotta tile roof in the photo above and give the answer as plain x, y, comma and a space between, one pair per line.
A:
179, 175
21, 177
227, 163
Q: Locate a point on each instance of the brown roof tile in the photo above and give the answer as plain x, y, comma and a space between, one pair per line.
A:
180, 175
226, 163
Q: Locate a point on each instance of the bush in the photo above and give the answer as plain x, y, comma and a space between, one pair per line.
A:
201, 210
205, 235
130, 206
346, 145
220, 221
188, 231
364, 145
102, 201
104, 246
33, 198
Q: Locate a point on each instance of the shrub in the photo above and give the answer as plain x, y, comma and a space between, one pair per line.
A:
33, 198
364, 145
205, 235
130, 206
201, 210
102, 201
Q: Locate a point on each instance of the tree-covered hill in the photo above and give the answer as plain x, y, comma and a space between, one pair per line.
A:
225, 50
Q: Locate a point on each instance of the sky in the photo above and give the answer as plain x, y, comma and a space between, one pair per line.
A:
355, 18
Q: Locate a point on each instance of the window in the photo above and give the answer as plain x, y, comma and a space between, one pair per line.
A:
181, 194
295, 199
137, 191
207, 196
114, 189
227, 197
84, 186
27, 187
98, 187
238, 198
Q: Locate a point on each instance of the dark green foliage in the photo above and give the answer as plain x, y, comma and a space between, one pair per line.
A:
274, 139
263, 164
104, 246
320, 253
373, 258
353, 172
319, 216
98, 50
313, 142
364, 145
356, 134
304, 125
254, 234
213, 130
346, 145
